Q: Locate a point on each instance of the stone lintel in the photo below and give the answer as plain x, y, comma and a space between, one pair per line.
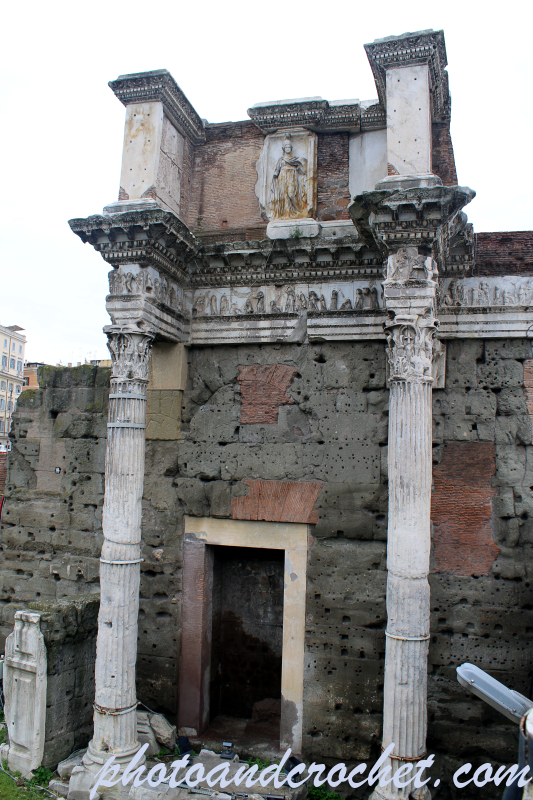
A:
159, 86
414, 49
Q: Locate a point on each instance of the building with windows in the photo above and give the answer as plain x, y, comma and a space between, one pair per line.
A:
13, 345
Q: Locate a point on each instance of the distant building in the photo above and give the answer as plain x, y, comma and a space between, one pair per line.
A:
30, 374
12, 347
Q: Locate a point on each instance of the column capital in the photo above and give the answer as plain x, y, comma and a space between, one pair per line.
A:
130, 349
410, 348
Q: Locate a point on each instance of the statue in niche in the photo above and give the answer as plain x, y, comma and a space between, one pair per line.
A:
289, 185
224, 305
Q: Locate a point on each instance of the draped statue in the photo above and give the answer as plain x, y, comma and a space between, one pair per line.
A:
289, 185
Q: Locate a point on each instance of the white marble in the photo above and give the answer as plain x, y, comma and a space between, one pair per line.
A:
25, 693
367, 160
409, 120
293, 229
152, 157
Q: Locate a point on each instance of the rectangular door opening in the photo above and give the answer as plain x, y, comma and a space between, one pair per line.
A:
247, 643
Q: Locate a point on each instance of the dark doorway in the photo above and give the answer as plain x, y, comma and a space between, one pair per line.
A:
247, 633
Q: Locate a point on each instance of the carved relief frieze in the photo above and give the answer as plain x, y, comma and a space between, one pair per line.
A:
147, 282
407, 264
324, 298
487, 292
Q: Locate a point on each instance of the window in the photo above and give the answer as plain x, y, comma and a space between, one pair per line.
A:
20, 349
26, 381
19, 366
17, 389
10, 387
1, 425
2, 404
4, 361
11, 363
10, 405
5, 342
13, 346
3, 385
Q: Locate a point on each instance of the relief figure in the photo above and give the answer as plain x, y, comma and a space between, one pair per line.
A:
260, 307
224, 305
358, 304
289, 185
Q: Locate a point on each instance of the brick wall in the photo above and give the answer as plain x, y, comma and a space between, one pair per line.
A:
461, 509
333, 196
442, 157
504, 253
223, 199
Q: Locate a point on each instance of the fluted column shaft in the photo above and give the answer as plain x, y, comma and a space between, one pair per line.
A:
115, 723
409, 351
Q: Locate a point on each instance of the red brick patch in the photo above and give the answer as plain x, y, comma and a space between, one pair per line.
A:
461, 509
263, 391
278, 501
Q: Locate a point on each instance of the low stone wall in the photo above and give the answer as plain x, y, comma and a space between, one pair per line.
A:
69, 627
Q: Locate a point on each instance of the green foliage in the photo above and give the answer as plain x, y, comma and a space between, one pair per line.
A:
41, 777
163, 752
10, 791
256, 762
297, 233
319, 793
3, 736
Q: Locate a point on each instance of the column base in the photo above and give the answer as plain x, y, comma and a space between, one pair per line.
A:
83, 777
390, 792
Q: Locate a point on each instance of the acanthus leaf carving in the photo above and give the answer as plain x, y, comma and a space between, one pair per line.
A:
130, 350
410, 348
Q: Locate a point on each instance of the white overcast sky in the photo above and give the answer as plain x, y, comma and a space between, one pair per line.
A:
63, 127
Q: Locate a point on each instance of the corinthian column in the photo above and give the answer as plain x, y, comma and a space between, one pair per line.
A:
115, 724
409, 354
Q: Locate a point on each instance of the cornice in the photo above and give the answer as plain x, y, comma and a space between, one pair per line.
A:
317, 114
160, 86
413, 49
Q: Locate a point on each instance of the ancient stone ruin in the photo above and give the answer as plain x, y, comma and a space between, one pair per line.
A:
303, 494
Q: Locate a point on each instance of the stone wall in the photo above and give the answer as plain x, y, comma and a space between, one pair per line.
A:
285, 424
51, 526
